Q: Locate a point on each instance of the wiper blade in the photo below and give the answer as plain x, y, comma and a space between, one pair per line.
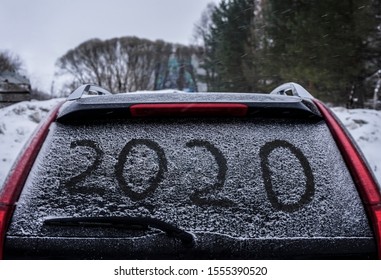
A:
136, 223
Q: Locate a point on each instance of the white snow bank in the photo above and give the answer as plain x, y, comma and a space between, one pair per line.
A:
364, 126
17, 122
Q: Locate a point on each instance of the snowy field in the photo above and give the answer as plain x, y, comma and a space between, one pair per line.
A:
18, 121
365, 127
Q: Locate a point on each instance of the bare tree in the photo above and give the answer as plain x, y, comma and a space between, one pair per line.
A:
202, 28
119, 64
126, 64
10, 62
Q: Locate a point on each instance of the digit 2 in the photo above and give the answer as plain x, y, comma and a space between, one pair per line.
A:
72, 183
197, 196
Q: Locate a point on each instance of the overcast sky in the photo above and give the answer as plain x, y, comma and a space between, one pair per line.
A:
41, 31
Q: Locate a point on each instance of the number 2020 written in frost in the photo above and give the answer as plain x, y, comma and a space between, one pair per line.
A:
198, 197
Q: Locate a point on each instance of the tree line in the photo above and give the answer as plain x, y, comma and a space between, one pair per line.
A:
333, 48
330, 47
129, 64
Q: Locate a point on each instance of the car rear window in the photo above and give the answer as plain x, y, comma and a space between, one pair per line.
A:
243, 178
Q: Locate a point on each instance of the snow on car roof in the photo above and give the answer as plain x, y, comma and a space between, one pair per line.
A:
188, 97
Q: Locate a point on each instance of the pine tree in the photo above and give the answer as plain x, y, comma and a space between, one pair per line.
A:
226, 46
318, 44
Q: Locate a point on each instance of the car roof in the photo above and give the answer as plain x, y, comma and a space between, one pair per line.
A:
117, 105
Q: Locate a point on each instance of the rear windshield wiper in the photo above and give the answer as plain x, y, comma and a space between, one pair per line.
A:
135, 223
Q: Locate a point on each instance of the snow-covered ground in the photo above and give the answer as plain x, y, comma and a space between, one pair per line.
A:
18, 121
365, 127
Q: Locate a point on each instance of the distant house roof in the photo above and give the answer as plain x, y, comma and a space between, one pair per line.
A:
11, 82
13, 78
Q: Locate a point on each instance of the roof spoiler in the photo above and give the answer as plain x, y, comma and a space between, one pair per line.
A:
292, 89
86, 89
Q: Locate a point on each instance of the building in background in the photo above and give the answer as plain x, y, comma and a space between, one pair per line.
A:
13, 88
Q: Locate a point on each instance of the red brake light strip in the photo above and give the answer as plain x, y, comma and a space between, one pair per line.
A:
189, 109
363, 178
18, 175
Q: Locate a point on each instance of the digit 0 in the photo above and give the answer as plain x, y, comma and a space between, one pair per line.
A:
309, 192
122, 161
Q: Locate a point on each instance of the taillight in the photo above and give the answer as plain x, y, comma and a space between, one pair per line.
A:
9, 194
365, 182
375, 212
5, 216
189, 109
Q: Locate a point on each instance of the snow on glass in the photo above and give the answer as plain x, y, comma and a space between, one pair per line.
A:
237, 178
